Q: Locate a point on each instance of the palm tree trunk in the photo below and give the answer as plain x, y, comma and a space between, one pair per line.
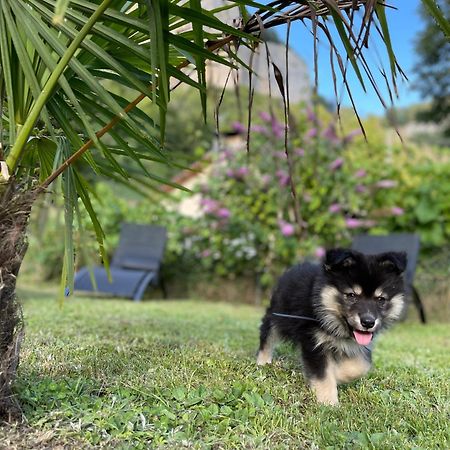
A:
15, 207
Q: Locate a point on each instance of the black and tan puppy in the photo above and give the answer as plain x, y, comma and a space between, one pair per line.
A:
348, 299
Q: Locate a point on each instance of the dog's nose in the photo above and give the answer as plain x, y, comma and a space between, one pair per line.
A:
367, 321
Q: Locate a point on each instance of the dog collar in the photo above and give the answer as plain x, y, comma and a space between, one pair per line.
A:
291, 316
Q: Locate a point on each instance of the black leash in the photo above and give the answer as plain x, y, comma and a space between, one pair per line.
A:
291, 316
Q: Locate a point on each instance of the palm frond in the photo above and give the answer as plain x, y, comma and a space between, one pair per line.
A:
437, 14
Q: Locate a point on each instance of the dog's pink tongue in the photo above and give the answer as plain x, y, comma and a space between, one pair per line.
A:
362, 337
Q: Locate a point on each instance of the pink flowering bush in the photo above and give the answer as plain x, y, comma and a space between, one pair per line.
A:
252, 226
247, 226
343, 187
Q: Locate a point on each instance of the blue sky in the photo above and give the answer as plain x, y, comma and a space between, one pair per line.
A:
405, 23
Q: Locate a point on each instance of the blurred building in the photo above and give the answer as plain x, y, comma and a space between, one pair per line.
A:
263, 79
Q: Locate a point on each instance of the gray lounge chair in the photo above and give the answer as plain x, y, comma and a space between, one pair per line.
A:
400, 242
135, 265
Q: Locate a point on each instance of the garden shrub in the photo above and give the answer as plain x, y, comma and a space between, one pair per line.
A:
248, 227
343, 186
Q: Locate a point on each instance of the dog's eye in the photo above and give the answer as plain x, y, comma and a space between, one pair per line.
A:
381, 298
350, 295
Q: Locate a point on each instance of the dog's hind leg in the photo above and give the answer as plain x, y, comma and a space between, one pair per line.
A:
268, 340
350, 369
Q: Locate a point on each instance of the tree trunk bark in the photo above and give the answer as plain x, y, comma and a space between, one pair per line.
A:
15, 207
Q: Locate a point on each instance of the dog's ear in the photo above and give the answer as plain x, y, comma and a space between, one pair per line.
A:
393, 261
339, 259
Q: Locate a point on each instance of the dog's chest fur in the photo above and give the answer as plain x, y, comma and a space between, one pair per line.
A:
340, 347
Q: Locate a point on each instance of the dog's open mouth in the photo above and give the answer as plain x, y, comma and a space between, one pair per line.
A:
363, 337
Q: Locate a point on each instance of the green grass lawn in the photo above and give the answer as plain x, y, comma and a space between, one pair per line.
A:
182, 374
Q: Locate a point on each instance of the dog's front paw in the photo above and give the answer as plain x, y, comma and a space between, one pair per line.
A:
263, 358
327, 399
326, 391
